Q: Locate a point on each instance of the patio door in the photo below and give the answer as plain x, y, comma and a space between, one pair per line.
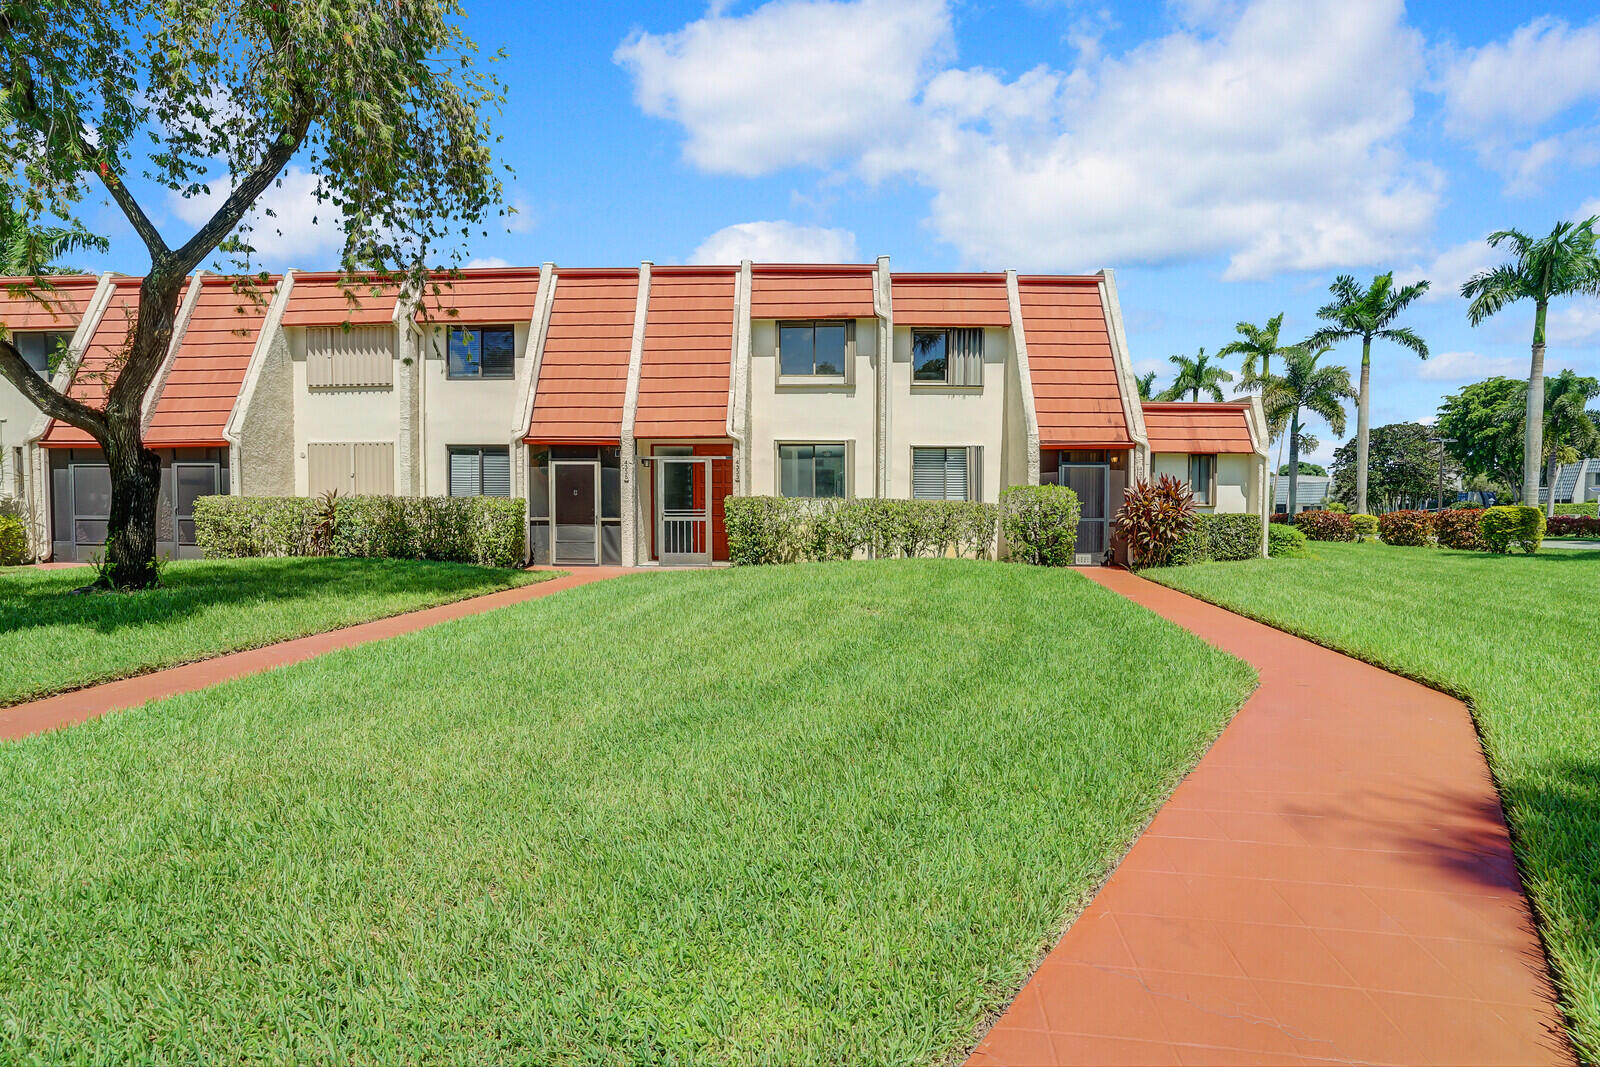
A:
1092, 483
190, 481
575, 494
683, 511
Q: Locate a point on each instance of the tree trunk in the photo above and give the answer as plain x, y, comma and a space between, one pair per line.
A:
130, 554
1550, 480
1533, 426
1294, 461
1361, 427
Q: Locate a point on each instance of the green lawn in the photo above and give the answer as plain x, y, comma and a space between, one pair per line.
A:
1517, 637
826, 813
54, 640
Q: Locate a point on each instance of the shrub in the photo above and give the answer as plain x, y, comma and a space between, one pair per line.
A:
1458, 528
1572, 526
1281, 518
1325, 526
1153, 519
486, 530
1589, 508
1218, 537
1411, 528
1285, 540
1464, 505
1512, 526
1040, 523
1338, 508
1366, 526
13, 541
770, 529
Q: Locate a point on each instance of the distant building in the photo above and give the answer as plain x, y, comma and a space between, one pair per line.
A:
1311, 493
1576, 483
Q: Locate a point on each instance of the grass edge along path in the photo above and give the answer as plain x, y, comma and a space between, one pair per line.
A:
60, 642
1512, 636
838, 816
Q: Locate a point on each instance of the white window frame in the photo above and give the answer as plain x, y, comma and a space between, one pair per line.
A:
849, 468
450, 453
479, 328
974, 455
847, 377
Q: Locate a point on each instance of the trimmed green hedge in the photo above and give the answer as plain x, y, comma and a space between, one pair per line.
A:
13, 541
1366, 526
1590, 508
486, 530
1326, 525
1285, 540
1219, 537
1040, 523
773, 529
1513, 526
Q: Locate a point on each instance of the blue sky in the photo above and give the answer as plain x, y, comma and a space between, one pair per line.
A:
1227, 157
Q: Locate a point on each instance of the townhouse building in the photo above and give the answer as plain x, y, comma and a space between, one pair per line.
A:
623, 405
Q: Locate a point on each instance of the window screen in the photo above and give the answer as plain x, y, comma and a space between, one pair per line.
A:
1201, 468
942, 473
480, 472
813, 349
482, 352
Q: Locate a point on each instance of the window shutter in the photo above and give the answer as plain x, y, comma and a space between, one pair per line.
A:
362, 356
955, 474
465, 473
927, 473
496, 472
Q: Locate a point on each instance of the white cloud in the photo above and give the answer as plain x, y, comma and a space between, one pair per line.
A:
521, 218
1574, 321
487, 261
776, 241
1499, 96
1450, 268
1268, 132
1468, 366
792, 82
291, 229
1589, 209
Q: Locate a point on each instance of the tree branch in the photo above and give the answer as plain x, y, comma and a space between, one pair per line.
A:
132, 211
44, 397
243, 196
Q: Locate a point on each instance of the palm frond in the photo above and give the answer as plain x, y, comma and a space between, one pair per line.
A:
1492, 289
1406, 337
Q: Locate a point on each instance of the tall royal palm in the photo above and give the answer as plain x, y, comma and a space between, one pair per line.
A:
1147, 384
1304, 387
1368, 314
1195, 376
1569, 428
1564, 263
1259, 346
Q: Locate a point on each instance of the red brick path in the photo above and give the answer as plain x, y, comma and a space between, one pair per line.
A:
64, 709
1332, 883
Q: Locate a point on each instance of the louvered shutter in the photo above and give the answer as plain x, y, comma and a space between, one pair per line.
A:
496, 472
939, 473
465, 473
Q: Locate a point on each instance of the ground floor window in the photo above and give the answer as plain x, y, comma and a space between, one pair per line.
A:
812, 470
946, 473
477, 471
1202, 472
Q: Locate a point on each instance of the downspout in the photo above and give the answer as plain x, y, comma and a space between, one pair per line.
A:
1019, 344
180, 327
232, 430
36, 472
883, 308
630, 407
1127, 387
739, 380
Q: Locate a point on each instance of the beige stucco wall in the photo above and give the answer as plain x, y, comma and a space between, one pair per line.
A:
330, 415
267, 446
466, 411
804, 413
930, 416
1237, 480
16, 417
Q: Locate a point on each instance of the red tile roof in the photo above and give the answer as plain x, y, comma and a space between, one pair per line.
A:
805, 291
688, 349
951, 300
1075, 383
206, 374
484, 296
319, 300
584, 373
37, 309
1209, 427
94, 373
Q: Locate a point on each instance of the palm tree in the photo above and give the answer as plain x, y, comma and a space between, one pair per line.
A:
33, 251
1304, 386
1146, 383
1196, 376
1257, 344
1569, 430
1368, 314
1562, 264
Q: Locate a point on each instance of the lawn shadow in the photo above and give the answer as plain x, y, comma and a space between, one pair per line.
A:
193, 587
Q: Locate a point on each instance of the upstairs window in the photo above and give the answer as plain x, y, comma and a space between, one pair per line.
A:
1202, 472
810, 350
947, 357
482, 352
40, 350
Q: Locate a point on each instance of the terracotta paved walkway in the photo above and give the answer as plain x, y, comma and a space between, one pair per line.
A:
1333, 882
65, 709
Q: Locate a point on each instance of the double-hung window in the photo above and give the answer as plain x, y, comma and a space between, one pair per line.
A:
480, 471
812, 470
946, 473
482, 352
947, 357
1202, 473
815, 351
